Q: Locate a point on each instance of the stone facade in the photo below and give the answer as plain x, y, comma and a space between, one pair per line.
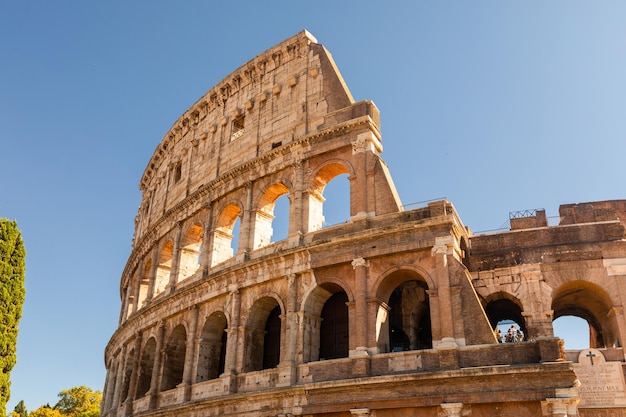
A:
389, 314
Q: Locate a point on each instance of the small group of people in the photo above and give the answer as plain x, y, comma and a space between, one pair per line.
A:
512, 335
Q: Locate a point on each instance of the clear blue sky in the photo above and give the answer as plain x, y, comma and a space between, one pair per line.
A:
497, 105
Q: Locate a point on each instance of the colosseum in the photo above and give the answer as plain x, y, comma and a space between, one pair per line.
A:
395, 312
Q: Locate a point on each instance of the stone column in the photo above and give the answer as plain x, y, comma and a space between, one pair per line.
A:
155, 383
175, 257
360, 318
191, 353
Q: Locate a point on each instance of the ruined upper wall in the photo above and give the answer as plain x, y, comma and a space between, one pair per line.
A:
597, 211
586, 231
289, 91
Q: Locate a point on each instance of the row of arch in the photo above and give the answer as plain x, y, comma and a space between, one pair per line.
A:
167, 358
187, 250
589, 303
184, 355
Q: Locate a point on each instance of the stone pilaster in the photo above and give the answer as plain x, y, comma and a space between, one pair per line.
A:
153, 272
205, 255
441, 250
132, 389
616, 315
560, 407
246, 235
119, 378
364, 145
175, 257
155, 383
287, 367
137, 290
232, 344
296, 202
191, 353
360, 267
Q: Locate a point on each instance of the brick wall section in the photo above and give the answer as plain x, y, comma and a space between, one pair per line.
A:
596, 211
559, 243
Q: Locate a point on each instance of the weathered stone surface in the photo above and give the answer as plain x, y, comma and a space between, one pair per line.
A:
388, 314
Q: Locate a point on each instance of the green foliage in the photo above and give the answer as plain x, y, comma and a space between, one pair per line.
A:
44, 411
12, 293
20, 409
79, 402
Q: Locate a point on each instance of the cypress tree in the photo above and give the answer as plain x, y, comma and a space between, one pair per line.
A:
12, 292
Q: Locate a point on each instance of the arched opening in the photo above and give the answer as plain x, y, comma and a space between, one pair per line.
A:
190, 252
271, 344
144, 284
403, 320
263, 335
575, 332
128, 370
323, 177
505, 317
146, 364
223, 234
234, 243
174, 362
590, 303
128, 294
264, 217
334, 330
280, 225
409, 317
212, 349
337, 193
164, 268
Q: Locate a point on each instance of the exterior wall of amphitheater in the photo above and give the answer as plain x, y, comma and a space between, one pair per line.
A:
388, 314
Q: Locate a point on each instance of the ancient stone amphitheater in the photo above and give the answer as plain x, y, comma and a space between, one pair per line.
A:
391, 313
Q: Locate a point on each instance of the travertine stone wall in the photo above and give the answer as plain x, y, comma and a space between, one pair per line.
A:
390, 313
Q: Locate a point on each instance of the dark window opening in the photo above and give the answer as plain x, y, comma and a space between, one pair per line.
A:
334, 327
506, 317
174, 363
409, 318
271, 343
238, 128
178, 172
